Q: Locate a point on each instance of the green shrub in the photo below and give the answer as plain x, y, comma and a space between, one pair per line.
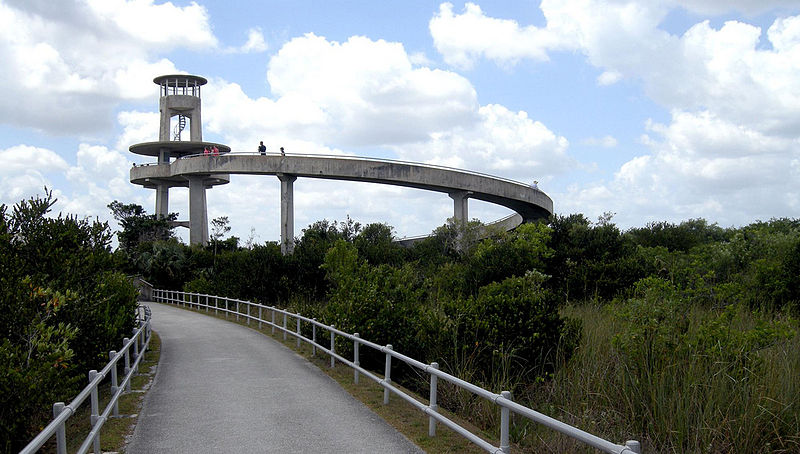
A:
62, 309
34, 364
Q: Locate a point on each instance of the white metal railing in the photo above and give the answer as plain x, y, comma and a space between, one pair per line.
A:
139, 343
255, 312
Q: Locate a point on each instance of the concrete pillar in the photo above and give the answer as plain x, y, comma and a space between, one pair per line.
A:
460, 205
162, 190
195, 125
163, 129
162, 200
198, 216
287, 213
164, 156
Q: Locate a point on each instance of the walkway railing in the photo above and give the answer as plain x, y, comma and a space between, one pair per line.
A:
139, 343
361, 158
256, 313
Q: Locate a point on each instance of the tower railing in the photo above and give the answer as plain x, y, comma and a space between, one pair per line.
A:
180, 86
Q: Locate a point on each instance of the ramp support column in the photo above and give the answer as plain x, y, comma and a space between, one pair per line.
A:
460, 206
287, 213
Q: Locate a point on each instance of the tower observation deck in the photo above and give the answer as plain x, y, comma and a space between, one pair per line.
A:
179, 99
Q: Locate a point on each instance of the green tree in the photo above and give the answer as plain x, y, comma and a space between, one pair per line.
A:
140, 227
376, 244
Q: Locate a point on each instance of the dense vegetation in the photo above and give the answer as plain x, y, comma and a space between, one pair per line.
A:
680, 335
62, 309
683, 336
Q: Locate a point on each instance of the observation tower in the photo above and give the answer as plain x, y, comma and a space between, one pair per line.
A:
179, 104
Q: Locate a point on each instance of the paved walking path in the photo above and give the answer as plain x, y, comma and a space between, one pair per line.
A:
224, 388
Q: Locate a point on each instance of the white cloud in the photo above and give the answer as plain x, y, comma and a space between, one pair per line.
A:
501, 142
26, 170
463, 38
368, 92
605, 142
67, 64
609, 77
22, 157
137, 127
700, 166
734, 93
749, 7
100, 176
255, 43
724, 70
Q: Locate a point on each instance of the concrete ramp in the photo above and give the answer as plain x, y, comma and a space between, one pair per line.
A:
224, 388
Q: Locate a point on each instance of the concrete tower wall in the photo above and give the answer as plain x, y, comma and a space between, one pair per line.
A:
188, 106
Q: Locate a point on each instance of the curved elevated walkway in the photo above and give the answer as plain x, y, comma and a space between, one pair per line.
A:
201, 171
530, 203
224, 388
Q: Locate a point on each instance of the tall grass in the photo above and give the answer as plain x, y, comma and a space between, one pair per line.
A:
701, 381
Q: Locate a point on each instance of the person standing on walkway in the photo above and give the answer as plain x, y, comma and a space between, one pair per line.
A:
262, 149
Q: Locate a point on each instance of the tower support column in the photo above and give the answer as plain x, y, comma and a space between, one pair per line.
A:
287, 213
198, 214
162, 200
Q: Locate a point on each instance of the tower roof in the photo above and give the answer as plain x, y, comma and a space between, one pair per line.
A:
194, 80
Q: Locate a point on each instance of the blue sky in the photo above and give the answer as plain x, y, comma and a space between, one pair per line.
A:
653, 111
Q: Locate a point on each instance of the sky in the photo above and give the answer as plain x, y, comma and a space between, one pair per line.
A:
650, 110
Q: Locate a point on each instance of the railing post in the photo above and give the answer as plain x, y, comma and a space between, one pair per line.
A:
433, 406
206, 304
259, 316
114, 386
135, 349
298, 331
273, 319
387, 375
61, 432
505, 414
226, 308
634, 446
355, 358
248, 313
127, 369
142, 349
333, 347
284, 325
314, 337
237, 310
95, 411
